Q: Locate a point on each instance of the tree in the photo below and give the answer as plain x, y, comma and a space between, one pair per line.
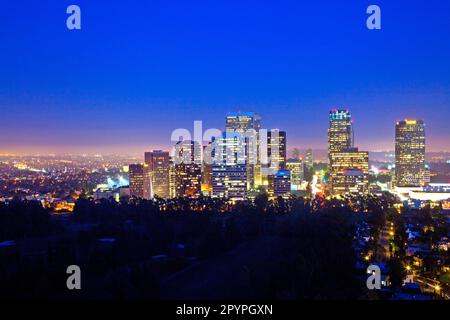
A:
397, 273
261, 201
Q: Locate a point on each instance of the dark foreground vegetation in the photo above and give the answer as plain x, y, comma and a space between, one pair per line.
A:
183, 249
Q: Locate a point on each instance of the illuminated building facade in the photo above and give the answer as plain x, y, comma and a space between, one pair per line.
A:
276, 149
241, 122
148, 183
295, 167
207, 170
248, 125
188, 169
136, 176
229, 168
410, 168
275, 154
349, 172
279, 184
158, 165
309, 160
172, 181
340, 133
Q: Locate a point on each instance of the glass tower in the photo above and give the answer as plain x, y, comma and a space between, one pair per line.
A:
410, 153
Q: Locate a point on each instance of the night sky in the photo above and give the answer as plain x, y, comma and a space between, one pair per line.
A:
139, 69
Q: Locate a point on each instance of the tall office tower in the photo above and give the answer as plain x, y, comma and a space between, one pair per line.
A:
276, 149
309, 160
241, 122
158, 166
426, 176
248, 124
136, 176
349, 172
295, 166
308, 165
279, 184
410, 153
148, 183
172, 181
340, 132
207, 179
207, 170
229, 167
188, 169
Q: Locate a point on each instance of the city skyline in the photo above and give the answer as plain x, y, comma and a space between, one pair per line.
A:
194, 152
165, 66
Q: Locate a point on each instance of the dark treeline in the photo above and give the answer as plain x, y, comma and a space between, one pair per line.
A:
25, 219
139, 249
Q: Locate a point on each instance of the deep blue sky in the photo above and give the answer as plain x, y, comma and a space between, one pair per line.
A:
139, 69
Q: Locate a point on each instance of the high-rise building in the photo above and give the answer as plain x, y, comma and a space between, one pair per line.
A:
309, 160
158, 164
248, 125
410, 153
207, 170
241, 122
276, 149
148, 183
188, 169
295, 166
136, 177
349, 172
308, 165
276, 153
172, 181
279, 184
340, 132
229, 168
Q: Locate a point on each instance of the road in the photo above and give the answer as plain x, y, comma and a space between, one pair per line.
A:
430, 285
383, 253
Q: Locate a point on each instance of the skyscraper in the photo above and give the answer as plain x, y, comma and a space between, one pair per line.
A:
147, 183
309, 160
279, 184
241, 122
276, 153
410, 153
348, 167
229, 168
158, 164
276, 149
172, 181
349, 172
340, 132
295, 166
136, 176
308, 165
188, 169
207, 171
248, 125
